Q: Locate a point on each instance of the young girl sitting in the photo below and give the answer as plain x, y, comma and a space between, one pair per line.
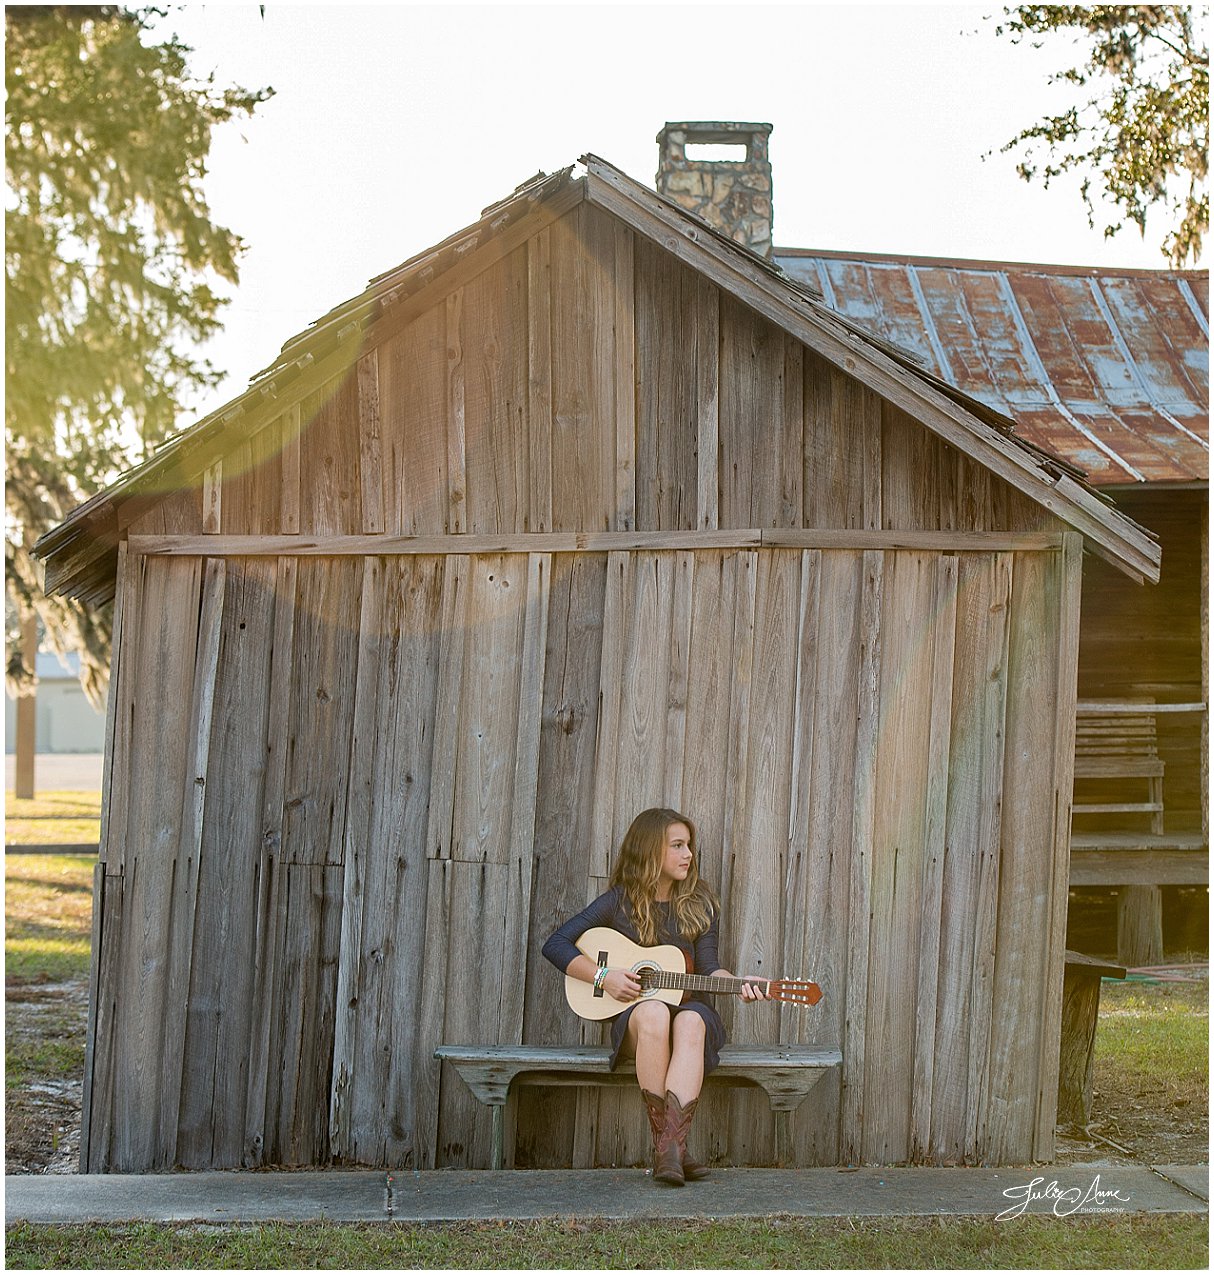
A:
657, 897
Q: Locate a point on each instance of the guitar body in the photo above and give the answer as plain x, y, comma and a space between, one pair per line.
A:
622, 953
663, 975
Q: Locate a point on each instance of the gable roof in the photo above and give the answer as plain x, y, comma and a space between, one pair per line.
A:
1108, 368
80, 554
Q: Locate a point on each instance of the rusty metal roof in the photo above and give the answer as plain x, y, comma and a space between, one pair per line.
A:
1108, 369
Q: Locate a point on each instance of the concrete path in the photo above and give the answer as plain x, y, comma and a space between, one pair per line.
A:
445, 1196
59, 772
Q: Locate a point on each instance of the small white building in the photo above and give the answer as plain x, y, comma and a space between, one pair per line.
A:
66, 721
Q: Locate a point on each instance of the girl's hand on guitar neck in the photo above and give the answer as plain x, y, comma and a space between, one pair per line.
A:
755, 989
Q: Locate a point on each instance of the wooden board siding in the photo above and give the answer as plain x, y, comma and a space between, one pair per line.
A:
1139, 642
795, 702
588, 380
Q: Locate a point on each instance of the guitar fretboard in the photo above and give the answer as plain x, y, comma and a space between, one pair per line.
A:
695, 982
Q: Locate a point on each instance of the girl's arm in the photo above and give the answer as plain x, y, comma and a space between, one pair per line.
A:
708, 962
561, 948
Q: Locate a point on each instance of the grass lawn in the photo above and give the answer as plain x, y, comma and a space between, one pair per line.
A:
48, 907
1151, 1044
53, 819
1131, 1242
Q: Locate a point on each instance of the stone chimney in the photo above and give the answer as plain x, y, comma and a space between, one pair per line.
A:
733, 196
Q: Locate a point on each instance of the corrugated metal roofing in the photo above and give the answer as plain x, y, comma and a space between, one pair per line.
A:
1108, 369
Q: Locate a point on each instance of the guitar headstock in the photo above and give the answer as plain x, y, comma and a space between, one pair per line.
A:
794, 991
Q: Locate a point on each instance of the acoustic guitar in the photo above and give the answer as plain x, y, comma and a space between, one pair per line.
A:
662, 972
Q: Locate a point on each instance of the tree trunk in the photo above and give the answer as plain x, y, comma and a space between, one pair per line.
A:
23, 782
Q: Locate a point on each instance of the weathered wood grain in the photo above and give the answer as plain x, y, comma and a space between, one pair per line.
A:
413, 407
989, 844
97, 1132
562, 844
212, 493
624, 334
289, 425
971, 856
525, 797
182, 959
308, 935
321, 710
583, 371
935, 813
1069, 581
119, 704
370, 459
163, 673
373, 1104
618, 591
538, 459
708, 724
494, 350
457, 450
268, 883
588, 542
900, 785
440, 832
755, 913
858, 990
489, 710
708, 402
330, 487
1025, 874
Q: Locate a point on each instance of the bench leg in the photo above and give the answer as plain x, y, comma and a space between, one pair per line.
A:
497, 1155
783, 1130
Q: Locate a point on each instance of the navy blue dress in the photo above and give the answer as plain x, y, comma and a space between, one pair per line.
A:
612, 910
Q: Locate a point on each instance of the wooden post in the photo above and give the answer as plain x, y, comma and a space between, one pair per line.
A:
1140, 925
27, 705
1080, 1010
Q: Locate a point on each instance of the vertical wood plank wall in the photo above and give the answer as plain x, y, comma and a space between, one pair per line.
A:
392, 894
587, 382
350, 797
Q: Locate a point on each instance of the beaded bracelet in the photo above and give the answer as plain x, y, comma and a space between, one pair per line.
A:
600, 977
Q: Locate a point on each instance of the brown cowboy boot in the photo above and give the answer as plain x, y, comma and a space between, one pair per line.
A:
693, 1171
655, 1108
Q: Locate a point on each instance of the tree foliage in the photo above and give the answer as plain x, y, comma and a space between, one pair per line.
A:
1143, 134
112, 265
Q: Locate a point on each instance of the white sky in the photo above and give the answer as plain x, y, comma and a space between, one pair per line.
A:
393, 125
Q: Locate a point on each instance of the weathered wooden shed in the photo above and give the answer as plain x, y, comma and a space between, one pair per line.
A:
1109, 369
584, 510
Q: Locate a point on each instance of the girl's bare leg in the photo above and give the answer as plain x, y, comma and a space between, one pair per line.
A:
685, 1073
648, 1040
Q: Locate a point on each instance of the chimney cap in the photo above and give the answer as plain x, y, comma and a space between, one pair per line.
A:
713, 131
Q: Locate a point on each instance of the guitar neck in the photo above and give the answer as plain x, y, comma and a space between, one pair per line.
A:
697, 982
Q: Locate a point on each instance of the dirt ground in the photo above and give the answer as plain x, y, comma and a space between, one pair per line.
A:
42, 1119
1130, 1123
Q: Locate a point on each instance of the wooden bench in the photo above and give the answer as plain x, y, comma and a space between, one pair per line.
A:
1116, 744
1115, 740
1080, 1010
786, 1073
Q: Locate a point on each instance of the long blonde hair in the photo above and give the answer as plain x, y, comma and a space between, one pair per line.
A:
638, 869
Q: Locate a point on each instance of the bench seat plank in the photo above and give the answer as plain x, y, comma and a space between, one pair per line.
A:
786, 1073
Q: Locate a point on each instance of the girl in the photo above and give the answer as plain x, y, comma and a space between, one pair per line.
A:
657, 897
